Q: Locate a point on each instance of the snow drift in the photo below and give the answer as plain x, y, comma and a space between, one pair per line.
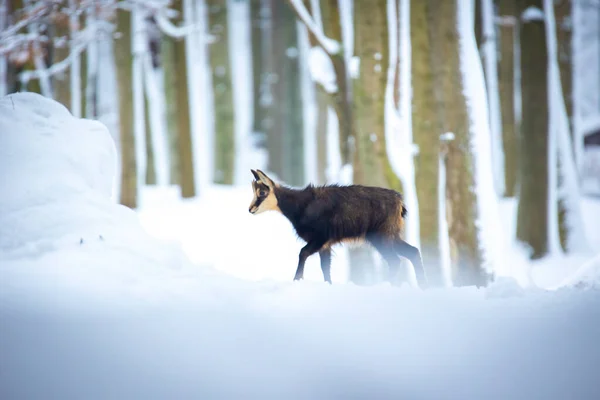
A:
57, 175
91, 306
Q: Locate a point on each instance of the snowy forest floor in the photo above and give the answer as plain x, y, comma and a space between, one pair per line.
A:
99, 302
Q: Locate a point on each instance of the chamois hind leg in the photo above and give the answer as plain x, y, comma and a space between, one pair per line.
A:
387, 251
311, 248
325, 255
414, 256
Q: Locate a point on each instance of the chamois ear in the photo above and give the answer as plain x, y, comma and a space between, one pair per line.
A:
265, 179
256, 177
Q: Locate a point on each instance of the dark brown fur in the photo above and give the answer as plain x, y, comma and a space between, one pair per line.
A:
326, 215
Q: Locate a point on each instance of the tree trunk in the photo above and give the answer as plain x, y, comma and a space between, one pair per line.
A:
371, 165
532, 212
322, 100
287, 114
461, 200
83, 60
61, 82
478, 24
426, 134
562, 10
223, 95
506, 85
167, 48
343, 98
184, 131
150, 160
258, 21
123, 59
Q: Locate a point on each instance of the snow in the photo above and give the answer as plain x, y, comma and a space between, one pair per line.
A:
488, 216
125, 314
75, 64
240, 58
203, 121
532, 14
309, 106
586, 64
559, 122
443, 229
3, 60
321, 69
490, 60
153, 84
329, 45
405, 113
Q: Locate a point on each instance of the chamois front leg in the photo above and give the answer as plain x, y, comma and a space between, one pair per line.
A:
308, 250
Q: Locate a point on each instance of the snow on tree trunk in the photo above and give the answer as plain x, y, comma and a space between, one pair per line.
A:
405, 133
240, 59
559, 125
507, 10
491, 76
488, 214
221, 69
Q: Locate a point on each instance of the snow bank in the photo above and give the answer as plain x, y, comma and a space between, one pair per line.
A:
586, 277
119, 314
56, 207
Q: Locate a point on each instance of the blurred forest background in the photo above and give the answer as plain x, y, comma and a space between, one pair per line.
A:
456, 103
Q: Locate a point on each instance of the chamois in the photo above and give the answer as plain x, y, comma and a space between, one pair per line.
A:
325, 215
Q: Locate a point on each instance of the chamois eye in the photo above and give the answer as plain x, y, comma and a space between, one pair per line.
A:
262, 193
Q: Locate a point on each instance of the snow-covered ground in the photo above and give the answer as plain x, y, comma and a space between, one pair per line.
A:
98, 302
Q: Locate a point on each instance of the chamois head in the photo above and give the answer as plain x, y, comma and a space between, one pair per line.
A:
264, 193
